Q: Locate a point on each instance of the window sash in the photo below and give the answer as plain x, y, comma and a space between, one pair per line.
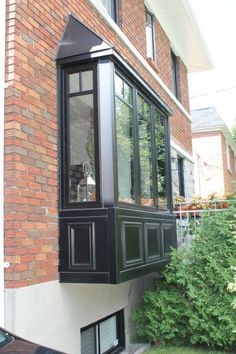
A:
83, 93
150, 38
104, 336
146, 196
174, 74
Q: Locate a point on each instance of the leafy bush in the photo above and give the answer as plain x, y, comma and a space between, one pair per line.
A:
190, 303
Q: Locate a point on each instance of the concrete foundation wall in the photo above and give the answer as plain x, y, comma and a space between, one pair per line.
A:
52, 314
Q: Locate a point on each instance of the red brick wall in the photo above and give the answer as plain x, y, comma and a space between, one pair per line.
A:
183, 84
163, 58
132, 22
34, 29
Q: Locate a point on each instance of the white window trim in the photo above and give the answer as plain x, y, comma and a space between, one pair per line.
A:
100, 8
181, 152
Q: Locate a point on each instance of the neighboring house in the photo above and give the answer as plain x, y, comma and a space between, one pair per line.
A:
214, 153
96, 105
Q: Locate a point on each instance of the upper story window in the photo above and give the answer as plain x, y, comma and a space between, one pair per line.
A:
174, 68
150, 38
112, 8
141, 148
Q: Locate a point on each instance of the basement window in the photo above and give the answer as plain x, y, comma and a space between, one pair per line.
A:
105, 336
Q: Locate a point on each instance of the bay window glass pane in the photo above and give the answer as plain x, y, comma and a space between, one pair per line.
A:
87, 80
88, 341
127, 93
74, 83
145, 151
108, 334
118, 86
124, 140
145, 155
161, 160
81, 147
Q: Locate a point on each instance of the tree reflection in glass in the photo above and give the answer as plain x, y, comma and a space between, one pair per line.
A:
124, 141
145, 151
161, 160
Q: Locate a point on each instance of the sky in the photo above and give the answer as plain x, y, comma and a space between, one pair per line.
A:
217, 87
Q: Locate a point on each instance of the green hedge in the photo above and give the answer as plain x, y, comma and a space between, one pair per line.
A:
190, 302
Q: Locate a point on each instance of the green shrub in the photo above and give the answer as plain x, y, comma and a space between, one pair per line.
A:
191, 303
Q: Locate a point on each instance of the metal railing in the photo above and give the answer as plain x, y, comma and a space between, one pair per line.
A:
189, 216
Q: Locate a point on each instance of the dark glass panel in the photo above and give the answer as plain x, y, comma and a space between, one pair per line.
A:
81, 149
161, 160
124, 139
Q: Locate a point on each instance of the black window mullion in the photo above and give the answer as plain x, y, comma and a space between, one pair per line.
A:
168, 165
81, 93
154, 158
136, 158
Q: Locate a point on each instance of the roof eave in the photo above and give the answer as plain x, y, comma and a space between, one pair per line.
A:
179, 22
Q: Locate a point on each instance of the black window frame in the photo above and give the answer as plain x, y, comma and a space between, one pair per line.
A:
148, 13
174, 69
138, 90
180, 162
120, 332
65, 70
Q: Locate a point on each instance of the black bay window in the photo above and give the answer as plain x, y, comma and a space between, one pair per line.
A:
115, 219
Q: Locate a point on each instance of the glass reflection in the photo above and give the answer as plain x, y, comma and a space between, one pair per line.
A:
161, 160
124, 139
81, 149
145, 152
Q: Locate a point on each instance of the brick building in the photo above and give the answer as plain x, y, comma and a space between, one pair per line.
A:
96, 90
215, 168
